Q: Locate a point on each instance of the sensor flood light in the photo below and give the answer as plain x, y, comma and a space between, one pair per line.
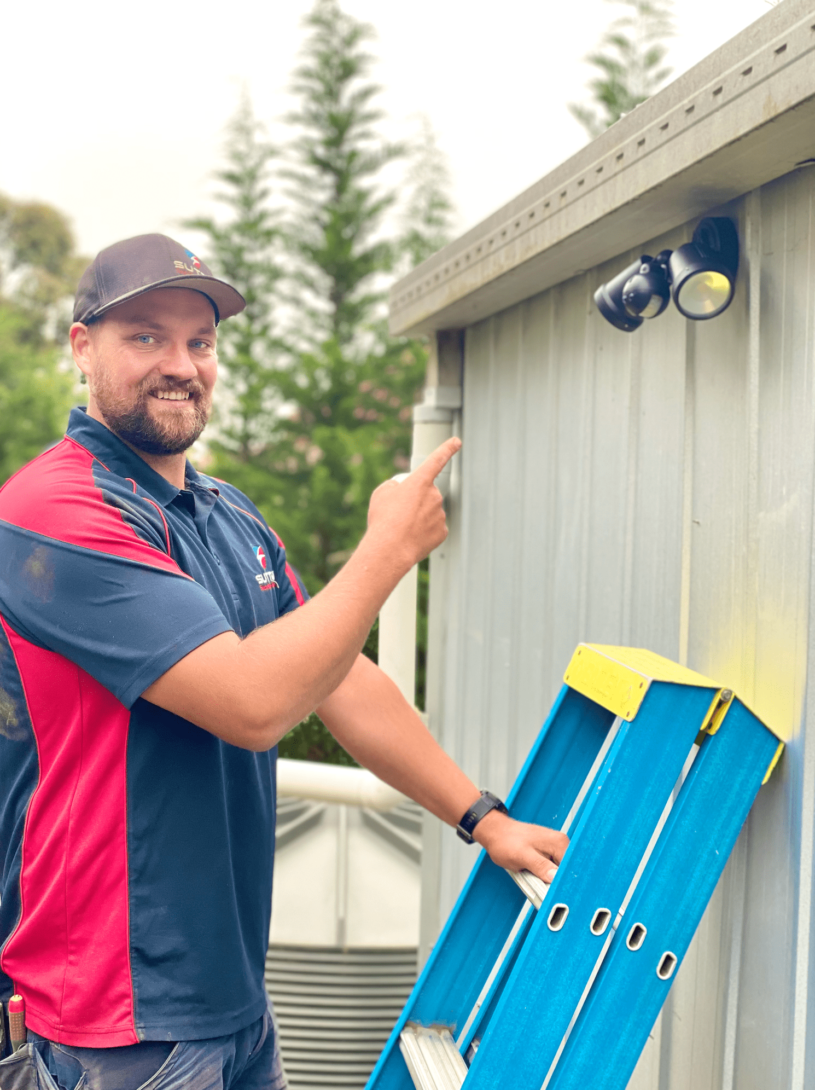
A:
700, 276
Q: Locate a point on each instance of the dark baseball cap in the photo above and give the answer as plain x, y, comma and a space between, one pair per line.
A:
138, 265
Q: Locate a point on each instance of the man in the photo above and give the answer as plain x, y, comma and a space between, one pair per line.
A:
154, 647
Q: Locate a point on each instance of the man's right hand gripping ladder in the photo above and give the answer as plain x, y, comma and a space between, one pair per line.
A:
651, 769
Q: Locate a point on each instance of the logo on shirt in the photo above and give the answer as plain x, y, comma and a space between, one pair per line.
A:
267, 580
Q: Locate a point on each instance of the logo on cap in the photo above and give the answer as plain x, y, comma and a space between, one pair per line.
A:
193, 268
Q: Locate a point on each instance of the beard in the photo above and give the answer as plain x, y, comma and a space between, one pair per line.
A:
132, 420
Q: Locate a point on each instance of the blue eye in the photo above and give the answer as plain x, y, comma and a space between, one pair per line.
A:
145, 338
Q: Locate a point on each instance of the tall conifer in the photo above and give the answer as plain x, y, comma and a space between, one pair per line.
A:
630, 60
321, 401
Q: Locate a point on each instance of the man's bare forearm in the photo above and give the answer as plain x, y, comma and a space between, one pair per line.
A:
369, 716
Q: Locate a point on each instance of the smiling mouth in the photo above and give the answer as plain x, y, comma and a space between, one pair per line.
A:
171, 395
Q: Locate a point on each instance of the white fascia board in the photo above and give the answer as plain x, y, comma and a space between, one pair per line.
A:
743, 116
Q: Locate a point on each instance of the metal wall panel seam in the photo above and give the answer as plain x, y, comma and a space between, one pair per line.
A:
584, 495
517, 603
493, 441
687, 491
752, 254
763, 1058
635, 367
511, 424
803, 1025
738, 866
553, 379
553, 420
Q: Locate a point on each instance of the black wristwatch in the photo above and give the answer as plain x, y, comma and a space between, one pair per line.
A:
480, 808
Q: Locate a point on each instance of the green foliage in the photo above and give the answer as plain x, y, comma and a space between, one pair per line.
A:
34, 392
630, 61
39, 266
310, 741
39, 269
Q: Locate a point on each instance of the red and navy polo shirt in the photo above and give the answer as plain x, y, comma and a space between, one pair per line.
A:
136, 849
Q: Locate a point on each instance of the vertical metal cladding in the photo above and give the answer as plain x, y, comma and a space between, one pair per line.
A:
656, 490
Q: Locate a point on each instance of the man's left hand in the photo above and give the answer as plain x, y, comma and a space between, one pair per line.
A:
518, 846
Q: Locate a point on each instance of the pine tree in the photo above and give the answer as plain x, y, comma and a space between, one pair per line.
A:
630, 59
246, 250
428, 215
337, 161
349, 388
331, 416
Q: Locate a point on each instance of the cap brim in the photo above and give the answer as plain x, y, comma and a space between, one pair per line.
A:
228, 302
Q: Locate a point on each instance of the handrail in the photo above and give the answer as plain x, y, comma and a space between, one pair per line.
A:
335, 783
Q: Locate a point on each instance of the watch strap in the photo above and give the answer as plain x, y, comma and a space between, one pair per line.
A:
479, 809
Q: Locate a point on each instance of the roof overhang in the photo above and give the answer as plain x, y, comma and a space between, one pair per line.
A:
743, 116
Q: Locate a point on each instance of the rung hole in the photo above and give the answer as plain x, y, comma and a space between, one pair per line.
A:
747, 71
666, 966
602, 918
636, 936
781, 49
557, 917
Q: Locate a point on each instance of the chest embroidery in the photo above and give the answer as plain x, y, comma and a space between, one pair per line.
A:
266, 579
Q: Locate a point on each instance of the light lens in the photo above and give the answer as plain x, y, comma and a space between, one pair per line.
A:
647, 293
704, 294
656, 305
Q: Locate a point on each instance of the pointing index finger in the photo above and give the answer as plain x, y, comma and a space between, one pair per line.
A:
432, 466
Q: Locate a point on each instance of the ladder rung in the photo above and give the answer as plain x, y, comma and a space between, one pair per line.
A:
533, 887
432, 1058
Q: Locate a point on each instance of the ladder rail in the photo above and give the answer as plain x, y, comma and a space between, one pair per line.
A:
709, 812
535, 891
561, 951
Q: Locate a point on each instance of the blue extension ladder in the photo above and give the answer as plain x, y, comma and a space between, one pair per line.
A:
651, 769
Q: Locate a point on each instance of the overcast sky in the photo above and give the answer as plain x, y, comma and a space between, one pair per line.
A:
115, 112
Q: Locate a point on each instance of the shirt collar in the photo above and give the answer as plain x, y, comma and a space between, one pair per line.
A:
120, 459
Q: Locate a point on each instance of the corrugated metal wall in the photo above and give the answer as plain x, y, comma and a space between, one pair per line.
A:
656, 490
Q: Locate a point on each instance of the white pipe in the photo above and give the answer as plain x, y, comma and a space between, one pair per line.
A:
335, 783
397, 635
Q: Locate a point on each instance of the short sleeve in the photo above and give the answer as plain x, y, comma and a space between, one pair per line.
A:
125, 621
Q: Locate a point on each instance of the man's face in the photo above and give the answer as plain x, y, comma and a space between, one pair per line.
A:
151, 367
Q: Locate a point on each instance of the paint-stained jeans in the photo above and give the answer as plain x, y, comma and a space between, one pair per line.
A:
246, 1060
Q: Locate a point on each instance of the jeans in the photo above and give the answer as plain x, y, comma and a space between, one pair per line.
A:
246, 1060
